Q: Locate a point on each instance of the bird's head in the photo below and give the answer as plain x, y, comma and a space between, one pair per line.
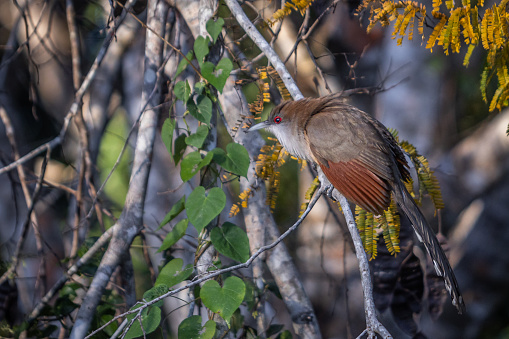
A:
278, 118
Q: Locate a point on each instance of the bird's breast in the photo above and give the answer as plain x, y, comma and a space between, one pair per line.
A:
294, 142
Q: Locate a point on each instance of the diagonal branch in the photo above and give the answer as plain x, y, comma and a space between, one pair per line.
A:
75, 105
372, 323
216, 273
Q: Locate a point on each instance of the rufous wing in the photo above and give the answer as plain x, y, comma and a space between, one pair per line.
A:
353, 155
359, 185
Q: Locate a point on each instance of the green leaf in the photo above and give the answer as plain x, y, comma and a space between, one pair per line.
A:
202, 110
231, 241
204, 105
214, 28
202, 209
174, 211
183, 63
199, 87
156, 292
285, 335
192, 163
196, 139
217, 75
235, 159
182, 90
150, 319
176, 233
172, 273
180, 148
167, 133
191, 328
274, 329
69, 290
223, 300
63, 306
201, 48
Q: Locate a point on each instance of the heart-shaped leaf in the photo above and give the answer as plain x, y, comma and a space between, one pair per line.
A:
180, 148
231, 241
235, 159
182, 90
196, 139
176, 233
150, 319
214, 28
192, 163
202, 109
174, 211
217, 75
183, 63
223, 300
167, 133
191, 328
201, 48
202, 209
172, 273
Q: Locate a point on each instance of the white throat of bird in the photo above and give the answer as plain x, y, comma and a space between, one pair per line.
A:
289, 136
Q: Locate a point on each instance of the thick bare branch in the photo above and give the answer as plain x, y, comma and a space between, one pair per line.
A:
131, 219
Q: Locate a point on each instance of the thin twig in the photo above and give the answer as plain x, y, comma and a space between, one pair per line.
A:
260, 41
76, 76
75, 105
75, 45
101, 242
9, 131
214, 274
159, 74
28, 221
166, 42
131, 220
27, 18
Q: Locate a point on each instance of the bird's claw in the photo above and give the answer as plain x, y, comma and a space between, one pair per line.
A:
329, 189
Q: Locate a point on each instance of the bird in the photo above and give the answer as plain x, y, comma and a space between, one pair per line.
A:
361, 159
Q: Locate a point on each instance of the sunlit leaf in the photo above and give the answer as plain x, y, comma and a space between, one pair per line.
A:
202, 208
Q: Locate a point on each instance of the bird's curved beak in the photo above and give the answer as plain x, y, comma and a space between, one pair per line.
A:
261, 125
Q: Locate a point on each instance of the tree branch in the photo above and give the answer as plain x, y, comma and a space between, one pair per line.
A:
218, 272
372, 323
131, 219
75, 105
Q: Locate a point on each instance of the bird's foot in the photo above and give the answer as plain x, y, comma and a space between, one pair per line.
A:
328, 190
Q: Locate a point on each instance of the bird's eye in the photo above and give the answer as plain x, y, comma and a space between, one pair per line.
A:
277, 119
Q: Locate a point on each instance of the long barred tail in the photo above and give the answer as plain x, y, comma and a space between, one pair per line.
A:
428, 238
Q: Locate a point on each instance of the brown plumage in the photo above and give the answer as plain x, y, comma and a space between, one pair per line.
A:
360, 158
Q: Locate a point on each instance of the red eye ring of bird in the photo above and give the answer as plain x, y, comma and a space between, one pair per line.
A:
277, 119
